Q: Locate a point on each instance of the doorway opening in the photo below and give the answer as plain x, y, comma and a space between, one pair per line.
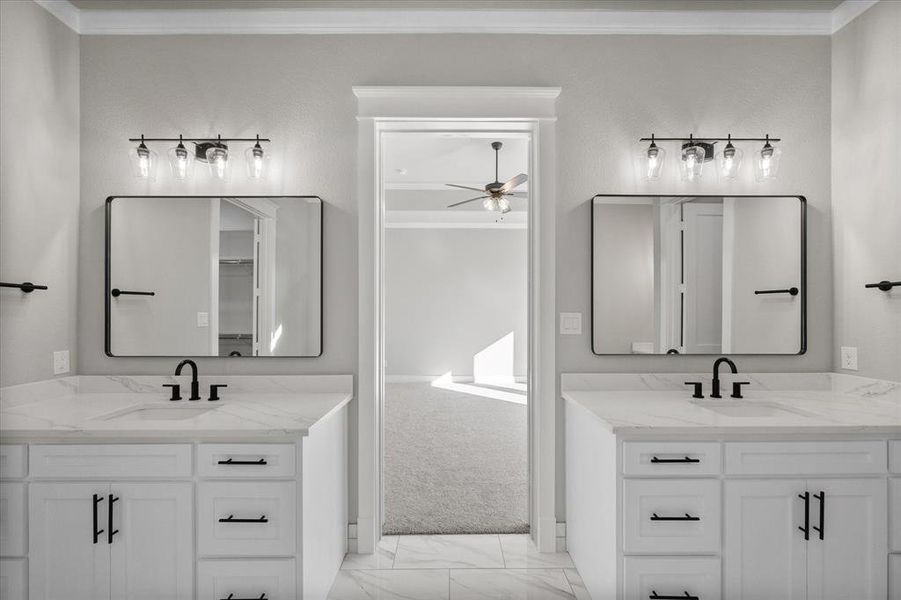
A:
455, 332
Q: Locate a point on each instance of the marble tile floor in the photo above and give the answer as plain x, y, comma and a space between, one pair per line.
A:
458, 567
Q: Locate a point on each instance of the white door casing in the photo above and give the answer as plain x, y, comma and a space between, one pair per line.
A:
531, 111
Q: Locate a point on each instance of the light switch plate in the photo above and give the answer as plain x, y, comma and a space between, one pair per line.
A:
60, 362
849, 358
570, 323
203, 319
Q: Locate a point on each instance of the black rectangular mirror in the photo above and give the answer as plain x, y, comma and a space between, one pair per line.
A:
698, 274
214, 276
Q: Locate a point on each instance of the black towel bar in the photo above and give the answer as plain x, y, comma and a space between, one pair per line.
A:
26, 286
884, 285
116, 292
793, 291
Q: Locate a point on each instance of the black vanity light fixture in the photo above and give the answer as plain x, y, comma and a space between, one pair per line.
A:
213, 151
696, 152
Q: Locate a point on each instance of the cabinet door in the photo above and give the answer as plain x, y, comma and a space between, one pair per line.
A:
64, 561
764, 553
152, 554
849, 562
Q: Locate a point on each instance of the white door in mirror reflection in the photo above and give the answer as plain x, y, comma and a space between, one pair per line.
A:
234, 276
679, 274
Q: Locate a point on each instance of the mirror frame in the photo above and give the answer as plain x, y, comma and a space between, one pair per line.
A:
803, 283
107, 276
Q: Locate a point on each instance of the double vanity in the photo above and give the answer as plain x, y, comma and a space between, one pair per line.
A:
112, 490
792, 491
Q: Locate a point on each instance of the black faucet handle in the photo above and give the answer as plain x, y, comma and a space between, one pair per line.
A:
214, 391
699, 387
176, 391
736, 388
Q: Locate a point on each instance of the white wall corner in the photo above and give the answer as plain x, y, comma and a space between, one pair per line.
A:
849, 10
63, 10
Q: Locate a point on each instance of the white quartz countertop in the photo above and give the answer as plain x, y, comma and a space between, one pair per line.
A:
772, 404
109, 407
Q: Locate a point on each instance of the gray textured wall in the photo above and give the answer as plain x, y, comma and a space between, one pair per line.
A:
866, 187
38, 190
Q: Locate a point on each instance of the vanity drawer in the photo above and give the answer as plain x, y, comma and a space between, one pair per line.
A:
672, 459
247, 518
894, 456
805, 458
894, 517
671, 516
12, 461
270, 579
12, 519
12, 579
110, 461
671, 577
246, 461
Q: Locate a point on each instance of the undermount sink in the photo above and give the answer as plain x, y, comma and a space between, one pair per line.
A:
738, 408
159, 413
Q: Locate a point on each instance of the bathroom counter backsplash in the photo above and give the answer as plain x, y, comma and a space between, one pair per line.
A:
94, 406
773, 403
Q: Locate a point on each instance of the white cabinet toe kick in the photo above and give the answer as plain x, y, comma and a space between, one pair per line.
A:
742, 519
177, 520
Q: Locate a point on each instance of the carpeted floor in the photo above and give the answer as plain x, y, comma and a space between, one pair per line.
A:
455, 460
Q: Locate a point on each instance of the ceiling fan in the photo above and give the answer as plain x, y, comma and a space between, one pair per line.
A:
495, 193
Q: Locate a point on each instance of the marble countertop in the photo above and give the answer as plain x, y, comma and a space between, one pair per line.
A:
783, 403
96, 407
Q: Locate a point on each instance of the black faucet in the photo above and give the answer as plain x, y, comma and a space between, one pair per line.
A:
195, 386
715, 392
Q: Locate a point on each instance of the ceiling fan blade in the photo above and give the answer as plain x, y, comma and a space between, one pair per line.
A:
519, 179
466, 201
517, 194
465, 187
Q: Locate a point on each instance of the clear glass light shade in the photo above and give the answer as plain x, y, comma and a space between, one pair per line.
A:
653, 159
143, 162
729, 161
182, 162
501, 205
692, 166
767, 162
217, 158
257, 162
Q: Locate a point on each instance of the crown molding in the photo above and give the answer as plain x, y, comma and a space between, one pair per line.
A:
557, 22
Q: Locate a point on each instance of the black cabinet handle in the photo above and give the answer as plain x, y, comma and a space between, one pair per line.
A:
699, 388
232, 519
885, 285
822, 498
685, 596
232, 597
109, 522
687, 517
806, 528
26, 286
116, 292
97, 500
231, 461
685, 460
793, 291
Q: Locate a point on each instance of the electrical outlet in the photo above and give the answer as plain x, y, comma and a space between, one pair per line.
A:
849, 358
570, 323
203, 319
60, 362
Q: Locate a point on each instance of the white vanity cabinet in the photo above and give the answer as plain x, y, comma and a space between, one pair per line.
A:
742, 519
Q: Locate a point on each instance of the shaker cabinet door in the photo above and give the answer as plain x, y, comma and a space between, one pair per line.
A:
64, 561
152, 551
764, 552
850, 559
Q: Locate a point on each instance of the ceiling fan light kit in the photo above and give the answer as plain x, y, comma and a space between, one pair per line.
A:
495, 195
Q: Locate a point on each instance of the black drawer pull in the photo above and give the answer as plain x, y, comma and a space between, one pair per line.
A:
685, 596
232, 597
232, 519
231, 461
97, 500
686, 460
109, 526
687, 517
